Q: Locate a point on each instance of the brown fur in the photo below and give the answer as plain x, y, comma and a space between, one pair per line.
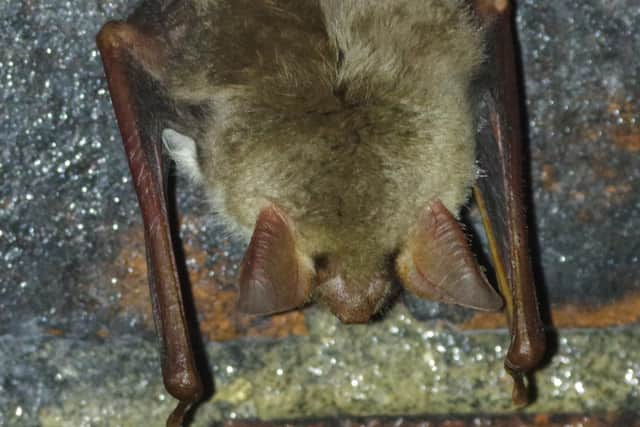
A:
349, 115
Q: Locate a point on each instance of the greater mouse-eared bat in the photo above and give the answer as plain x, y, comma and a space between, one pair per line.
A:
338, 139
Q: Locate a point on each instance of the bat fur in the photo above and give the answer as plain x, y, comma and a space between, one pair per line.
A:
349, 115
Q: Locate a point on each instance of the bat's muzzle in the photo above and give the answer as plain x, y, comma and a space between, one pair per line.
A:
352, 301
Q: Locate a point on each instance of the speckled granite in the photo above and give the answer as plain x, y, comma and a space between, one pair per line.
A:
581, 69
70, 353
399, 367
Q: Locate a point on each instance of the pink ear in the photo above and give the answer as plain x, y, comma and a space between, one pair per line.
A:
274, 277
437, 263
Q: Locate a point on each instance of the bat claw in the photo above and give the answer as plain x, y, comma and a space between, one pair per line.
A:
176, 419
520, 393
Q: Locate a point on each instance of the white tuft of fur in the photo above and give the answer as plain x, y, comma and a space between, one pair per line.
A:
182, 150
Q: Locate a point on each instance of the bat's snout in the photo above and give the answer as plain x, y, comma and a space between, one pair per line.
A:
350, 301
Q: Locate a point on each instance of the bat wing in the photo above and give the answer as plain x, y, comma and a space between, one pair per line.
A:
499, 196
129, 58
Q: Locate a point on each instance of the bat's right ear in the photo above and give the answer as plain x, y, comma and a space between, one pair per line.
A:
437, 263
274, 276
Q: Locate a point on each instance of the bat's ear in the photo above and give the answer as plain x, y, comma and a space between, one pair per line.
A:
437, 263
274, 276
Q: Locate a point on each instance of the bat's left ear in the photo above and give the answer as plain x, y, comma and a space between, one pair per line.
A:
437, 263
274, 275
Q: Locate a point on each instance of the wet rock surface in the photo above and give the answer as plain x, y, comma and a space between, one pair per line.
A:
76, 341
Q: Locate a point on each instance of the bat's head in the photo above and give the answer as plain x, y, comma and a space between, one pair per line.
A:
327, 129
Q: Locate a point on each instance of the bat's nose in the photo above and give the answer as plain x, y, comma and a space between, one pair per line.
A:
353, 301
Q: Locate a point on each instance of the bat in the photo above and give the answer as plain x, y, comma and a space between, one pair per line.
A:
338, 139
